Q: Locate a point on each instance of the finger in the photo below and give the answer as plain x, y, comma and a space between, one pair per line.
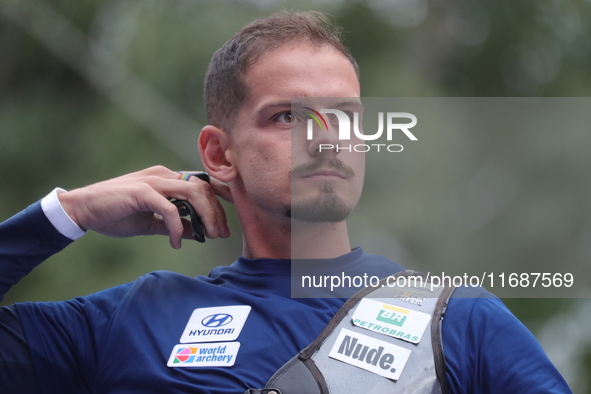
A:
156, 203
220, 219
209, 209
157, 226
221, 189
202, 198
159, 171
187, 229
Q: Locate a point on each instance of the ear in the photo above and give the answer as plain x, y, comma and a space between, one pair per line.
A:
214, 147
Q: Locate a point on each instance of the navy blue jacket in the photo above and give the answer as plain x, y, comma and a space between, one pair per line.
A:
125, 339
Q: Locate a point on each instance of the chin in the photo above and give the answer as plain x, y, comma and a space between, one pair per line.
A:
328, 207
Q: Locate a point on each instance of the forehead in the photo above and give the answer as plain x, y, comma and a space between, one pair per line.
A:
299, 70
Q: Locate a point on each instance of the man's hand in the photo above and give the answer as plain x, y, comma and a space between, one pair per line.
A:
137, 204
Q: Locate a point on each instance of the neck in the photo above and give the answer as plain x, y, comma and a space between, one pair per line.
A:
319, 240
292, 239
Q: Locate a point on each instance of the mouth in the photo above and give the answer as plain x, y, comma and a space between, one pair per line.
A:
326, 174
330, 169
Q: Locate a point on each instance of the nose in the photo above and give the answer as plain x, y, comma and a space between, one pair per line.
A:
324, 139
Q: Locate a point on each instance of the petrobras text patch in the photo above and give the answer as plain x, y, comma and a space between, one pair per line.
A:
222, 354
221, 323
382, 358
406, 324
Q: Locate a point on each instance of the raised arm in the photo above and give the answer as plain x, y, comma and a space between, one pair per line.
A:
130, 205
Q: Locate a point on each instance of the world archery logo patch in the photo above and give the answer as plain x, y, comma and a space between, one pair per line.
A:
185, 355
221, 354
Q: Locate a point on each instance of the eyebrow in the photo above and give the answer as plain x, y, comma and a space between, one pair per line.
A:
289, 104
340, 104
349, 103
272, 105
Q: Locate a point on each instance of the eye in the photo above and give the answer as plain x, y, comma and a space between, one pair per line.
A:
285, 117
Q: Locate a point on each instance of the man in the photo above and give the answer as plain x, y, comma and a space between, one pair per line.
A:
144, 336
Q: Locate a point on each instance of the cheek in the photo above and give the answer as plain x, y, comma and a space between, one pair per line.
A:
355, 160
266, 167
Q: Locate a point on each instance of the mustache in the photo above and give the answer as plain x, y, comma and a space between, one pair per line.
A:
323, 162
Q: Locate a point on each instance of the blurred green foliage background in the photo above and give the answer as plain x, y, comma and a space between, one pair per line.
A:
90, 90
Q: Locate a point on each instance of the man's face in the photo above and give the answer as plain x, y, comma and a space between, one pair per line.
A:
267, 146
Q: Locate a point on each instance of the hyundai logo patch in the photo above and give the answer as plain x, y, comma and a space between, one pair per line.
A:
215, 324
217, 320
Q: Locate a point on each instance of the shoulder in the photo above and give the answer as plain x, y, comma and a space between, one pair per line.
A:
105, 302
487, 349
379, 265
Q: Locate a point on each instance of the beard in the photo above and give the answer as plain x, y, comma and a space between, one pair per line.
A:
327, 207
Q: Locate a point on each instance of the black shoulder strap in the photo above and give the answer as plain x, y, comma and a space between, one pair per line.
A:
436, 338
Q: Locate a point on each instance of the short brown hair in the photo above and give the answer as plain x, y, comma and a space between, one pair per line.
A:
225, 87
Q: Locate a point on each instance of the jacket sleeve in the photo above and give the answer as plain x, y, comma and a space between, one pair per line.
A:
26, 240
